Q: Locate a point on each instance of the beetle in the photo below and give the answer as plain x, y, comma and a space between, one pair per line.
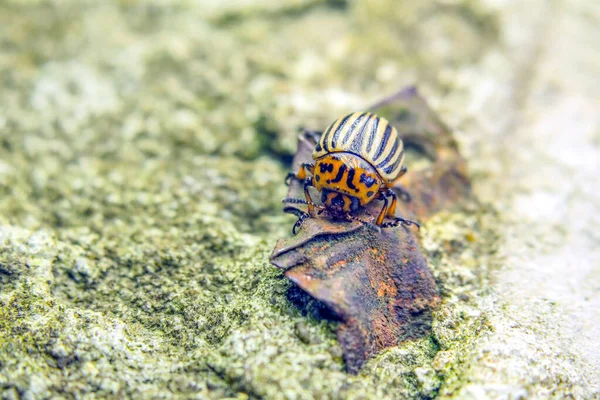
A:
358, 159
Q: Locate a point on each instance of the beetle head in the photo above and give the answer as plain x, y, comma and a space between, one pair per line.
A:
338, 204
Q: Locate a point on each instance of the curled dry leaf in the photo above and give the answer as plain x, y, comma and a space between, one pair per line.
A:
376, 281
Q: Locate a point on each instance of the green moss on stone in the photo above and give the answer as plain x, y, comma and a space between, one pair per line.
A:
141, 173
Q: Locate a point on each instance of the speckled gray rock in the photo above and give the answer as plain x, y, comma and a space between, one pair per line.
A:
142, 151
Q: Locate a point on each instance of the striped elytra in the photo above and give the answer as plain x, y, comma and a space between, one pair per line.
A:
368, 136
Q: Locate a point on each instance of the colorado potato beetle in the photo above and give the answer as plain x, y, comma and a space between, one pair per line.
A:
358, 158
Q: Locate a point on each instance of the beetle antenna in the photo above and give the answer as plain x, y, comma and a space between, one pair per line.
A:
368, 224
302, 201
295, 201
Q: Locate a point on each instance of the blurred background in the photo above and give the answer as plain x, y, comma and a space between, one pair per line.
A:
143, 147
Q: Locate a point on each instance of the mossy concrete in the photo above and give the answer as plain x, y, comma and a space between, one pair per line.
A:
143, 148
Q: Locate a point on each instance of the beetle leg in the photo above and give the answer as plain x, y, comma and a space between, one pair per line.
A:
404, 195
400, 221
400, 174
311, 205
390, 211
384, 209
299, 223
289, 177
312, 135
302, 173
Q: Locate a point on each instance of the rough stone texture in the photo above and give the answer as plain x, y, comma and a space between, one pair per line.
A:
535, 106
142, 151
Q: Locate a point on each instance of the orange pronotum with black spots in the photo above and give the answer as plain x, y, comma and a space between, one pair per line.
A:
357, 159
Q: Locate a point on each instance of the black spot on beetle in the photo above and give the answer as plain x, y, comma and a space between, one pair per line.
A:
350, 178
370, 193
340, 174
367, 180
325, 168
318, 178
